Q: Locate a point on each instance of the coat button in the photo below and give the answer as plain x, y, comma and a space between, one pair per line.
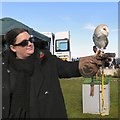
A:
3, 87
3, 63
46, 92
3, 108
8, 70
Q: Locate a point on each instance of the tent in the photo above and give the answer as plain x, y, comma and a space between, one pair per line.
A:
7, 24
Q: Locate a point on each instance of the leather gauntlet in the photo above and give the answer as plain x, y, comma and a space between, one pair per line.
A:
89, 65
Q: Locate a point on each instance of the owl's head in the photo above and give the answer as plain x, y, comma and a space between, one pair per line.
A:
102, 29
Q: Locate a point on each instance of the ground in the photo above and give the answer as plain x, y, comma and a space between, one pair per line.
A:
72, 91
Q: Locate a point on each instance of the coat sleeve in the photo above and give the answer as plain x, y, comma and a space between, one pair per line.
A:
67, 69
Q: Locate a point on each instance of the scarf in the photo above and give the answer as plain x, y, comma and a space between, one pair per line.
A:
20, 74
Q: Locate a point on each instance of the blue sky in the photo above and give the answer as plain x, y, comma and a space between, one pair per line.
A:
80, 18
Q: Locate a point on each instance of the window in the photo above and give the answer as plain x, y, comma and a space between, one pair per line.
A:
62, 45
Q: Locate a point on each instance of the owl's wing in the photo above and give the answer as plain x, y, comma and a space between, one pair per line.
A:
94, 38
106, 42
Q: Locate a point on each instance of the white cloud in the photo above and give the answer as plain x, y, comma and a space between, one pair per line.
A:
115, 30
89, 26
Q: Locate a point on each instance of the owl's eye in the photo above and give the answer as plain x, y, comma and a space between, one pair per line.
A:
104, 29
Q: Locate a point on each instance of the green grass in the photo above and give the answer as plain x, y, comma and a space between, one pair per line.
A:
72, 91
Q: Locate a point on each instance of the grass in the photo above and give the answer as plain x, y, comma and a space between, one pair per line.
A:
72, 91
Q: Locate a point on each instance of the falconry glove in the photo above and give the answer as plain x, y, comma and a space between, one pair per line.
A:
89, 65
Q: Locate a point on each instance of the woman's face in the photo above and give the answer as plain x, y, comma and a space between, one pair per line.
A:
23, 51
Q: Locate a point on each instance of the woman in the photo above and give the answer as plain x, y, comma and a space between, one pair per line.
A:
31, 87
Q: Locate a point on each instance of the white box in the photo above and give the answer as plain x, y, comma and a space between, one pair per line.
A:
93, 104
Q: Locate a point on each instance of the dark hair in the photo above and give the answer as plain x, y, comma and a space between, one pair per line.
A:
11, 35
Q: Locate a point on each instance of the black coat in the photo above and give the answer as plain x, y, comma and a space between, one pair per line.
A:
43, 98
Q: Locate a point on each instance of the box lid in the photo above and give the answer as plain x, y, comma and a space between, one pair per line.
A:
98, 81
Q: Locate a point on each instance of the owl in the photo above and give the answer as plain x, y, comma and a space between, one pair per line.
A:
100, 37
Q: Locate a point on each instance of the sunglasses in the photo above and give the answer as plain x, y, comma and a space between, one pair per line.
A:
25, 42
